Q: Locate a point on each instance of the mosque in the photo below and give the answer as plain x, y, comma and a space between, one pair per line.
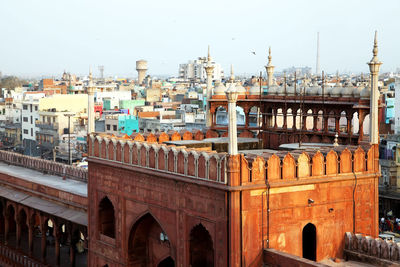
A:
206, 201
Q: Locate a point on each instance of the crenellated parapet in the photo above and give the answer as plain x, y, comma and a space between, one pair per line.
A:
43, 165
372, 250
162, 137
205, 165
299, 165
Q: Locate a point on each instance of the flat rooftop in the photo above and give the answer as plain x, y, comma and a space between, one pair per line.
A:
54, 181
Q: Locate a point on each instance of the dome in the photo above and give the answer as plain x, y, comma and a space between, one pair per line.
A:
357, 90
280, 90
290, 90
313, 89
365, 93
327, 90
220, 89
336, 90
240, 89
255, 89
347, 91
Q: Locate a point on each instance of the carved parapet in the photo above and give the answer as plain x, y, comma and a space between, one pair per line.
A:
42, 165
188, 162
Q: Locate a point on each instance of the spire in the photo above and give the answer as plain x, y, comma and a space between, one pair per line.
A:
232, 78
269, 57
208, 56
375, 49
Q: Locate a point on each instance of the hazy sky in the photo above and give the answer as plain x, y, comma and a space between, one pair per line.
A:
48, 36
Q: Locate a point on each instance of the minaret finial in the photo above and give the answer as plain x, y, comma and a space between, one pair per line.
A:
232, 75
209, 55
375, 50
269, 57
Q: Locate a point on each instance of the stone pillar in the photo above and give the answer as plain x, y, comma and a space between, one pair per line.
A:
90, 90
30, 240
349, 130
315, 120
270, 69
275, 118
18, 231
234, 231
232, 95
6, 228
285, 119
337, 126
374, 66
57, 236
209, 71
43, 242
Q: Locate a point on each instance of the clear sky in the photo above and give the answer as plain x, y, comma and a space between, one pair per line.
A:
48, 36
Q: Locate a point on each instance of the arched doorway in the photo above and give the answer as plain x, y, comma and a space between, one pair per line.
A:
167, 262
147, 241
310, 242
201, 247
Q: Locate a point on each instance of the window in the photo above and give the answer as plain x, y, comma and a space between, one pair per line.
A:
36, 108
25, 107
31, 107
26, 131
106, 218
25, 119
108, 127
114, 127
31, 131
31, 120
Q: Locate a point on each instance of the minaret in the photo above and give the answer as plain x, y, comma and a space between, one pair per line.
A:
90, 91
209, 71
270, 69
374, 66
232, 95
317, 67
232, 78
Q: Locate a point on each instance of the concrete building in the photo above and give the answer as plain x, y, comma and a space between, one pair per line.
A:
195, 70
397, 107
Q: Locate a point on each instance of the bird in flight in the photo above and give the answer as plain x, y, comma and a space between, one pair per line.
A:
253, 52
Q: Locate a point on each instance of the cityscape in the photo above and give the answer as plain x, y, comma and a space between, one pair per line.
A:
222, 152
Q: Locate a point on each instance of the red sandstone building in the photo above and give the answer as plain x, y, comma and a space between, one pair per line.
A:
158, 205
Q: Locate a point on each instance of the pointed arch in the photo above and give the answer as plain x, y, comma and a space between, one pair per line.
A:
147, 241
106, 218
201, 249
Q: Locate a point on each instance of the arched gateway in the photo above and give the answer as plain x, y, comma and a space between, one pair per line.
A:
148, 244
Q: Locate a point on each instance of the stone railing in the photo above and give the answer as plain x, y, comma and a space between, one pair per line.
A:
10, 257
45, 166
372, 250
205, 165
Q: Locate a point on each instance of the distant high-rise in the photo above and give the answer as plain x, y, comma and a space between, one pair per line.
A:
317, 67
141, 67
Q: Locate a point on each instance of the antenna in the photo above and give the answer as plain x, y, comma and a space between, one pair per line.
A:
317, 67
101, 69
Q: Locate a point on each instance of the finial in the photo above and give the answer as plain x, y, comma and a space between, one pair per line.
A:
375, 50
269, 56
232, 75
335, 142
209, 56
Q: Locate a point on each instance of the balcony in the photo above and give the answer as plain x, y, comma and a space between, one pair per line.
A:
47, 125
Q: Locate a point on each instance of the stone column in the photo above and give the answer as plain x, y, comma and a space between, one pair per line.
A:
275, 118
57, 236
209, 71
30, 239
43, 240
349, 130
232, 95
6, 228
337, 126
285, 119
18, 231
374, 66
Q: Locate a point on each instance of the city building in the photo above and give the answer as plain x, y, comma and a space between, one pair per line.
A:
195, 70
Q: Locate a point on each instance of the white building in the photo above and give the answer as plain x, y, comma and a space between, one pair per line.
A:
194, 69
30, 113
